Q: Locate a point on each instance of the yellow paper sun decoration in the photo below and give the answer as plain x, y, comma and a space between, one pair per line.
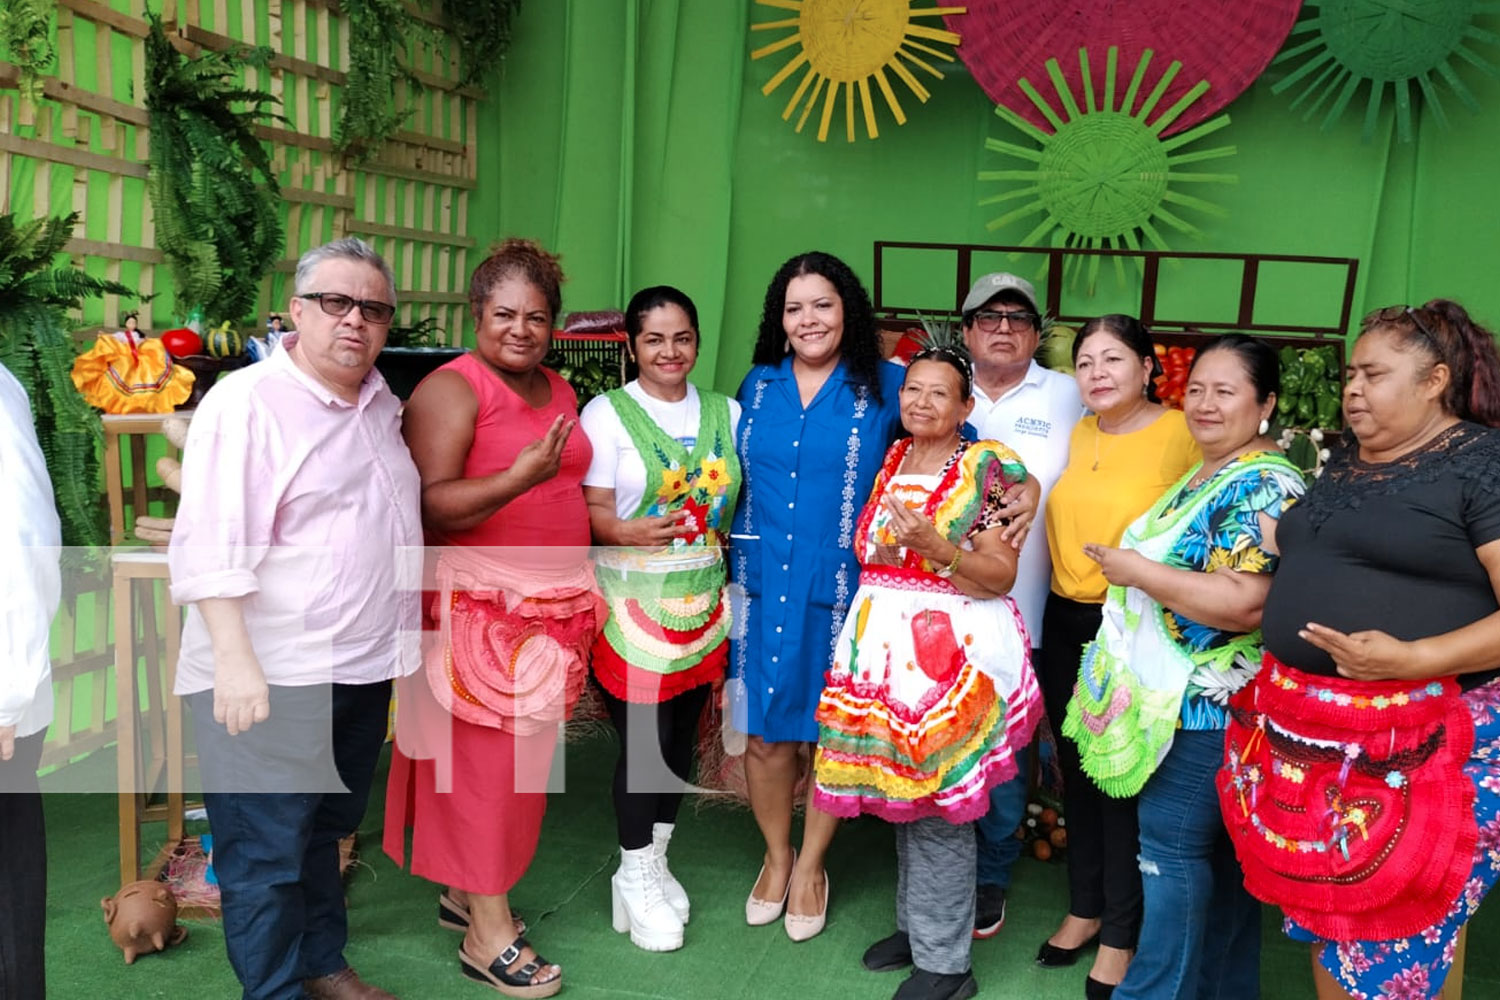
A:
843, 43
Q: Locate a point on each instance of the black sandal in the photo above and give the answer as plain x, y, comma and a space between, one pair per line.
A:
512, 984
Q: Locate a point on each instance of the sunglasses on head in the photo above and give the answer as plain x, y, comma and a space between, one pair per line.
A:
1392, 314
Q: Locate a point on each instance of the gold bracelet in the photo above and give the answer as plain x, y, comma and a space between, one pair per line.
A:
952, 567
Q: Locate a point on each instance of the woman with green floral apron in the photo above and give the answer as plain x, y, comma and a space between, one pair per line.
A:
661, 494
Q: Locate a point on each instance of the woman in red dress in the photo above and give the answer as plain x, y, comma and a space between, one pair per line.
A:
493, 436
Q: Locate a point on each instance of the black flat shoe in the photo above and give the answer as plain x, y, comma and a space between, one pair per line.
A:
1095, 990
921, 985
1050, 956
989, 911
888, 954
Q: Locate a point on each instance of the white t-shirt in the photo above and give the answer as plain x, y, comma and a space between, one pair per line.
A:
617, 464
1035, 419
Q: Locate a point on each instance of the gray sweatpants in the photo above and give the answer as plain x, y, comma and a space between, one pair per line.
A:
935, 869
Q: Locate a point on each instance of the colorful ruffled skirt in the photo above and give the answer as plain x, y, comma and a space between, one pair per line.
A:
930, 695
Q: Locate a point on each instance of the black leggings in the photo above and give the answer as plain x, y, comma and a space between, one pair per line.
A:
639, 766
1104, 877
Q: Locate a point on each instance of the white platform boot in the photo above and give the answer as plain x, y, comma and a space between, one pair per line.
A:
638, 905
661, 836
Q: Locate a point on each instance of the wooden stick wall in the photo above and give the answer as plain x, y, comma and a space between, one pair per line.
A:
86, 146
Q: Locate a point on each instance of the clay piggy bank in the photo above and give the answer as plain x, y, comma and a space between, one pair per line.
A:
142, 918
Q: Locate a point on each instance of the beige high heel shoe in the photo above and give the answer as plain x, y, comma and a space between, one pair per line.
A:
759, 912
800, 927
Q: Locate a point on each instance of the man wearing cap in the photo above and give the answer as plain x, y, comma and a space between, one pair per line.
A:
1032, 411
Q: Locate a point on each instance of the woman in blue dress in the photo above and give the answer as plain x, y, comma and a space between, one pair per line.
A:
820, 408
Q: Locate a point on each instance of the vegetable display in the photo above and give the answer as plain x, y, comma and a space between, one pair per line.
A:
1171, 384
1311, 394
588, 378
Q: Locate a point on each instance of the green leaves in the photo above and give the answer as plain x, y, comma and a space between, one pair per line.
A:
210, 179
36, 346
382, 37
26, 34
27, 278
381, 32
482, 28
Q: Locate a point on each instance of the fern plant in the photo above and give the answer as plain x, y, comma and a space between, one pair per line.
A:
210, 179
381, 33
36, 346
482, 29
26, 34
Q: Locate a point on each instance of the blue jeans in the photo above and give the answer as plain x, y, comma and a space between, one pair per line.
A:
276, 853
995, 831
1200, 937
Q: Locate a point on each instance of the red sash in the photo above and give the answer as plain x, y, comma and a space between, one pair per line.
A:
1347, 802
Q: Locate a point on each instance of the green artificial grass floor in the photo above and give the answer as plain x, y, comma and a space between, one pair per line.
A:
395, 941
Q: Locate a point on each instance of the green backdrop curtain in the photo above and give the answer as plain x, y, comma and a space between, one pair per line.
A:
631, 135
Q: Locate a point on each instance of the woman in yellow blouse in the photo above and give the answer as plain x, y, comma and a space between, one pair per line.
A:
1121, 458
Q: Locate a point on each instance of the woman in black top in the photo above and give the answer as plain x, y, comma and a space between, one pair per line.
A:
1362, 779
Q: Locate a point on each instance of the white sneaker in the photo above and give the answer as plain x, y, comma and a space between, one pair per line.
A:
661, 836
637, 904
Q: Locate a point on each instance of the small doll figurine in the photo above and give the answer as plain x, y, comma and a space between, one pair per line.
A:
131, 335
274, 329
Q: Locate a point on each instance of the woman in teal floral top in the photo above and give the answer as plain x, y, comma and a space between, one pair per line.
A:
1180, 634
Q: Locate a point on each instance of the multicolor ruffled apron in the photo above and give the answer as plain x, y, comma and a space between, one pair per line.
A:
668, 626
1128, 698
1347, 801
931, 691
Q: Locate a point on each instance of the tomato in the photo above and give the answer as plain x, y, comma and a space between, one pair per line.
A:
1161, 350
182, 342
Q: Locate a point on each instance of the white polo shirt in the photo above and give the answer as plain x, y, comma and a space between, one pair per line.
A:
1035, 419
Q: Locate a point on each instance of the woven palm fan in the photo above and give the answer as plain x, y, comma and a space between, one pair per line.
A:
1226, 43
1401, 45
1103, 173
840, 47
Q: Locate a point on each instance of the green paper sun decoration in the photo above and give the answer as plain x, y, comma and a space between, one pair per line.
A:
1104, 178
1389, 44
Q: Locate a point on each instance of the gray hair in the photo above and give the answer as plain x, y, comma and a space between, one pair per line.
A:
348, 248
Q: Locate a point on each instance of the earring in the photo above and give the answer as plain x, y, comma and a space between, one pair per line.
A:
786, 346
1265, 426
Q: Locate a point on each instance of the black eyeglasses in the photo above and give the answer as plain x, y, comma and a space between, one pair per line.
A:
989, 320
335, 304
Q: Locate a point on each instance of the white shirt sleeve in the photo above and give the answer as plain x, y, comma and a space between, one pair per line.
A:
226, 518
600, 422
30, 547
735, 409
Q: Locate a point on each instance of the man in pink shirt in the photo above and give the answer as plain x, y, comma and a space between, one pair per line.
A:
297, 545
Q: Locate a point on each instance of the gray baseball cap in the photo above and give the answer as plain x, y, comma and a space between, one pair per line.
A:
990, 285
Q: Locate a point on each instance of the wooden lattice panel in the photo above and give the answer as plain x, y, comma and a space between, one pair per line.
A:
85, 149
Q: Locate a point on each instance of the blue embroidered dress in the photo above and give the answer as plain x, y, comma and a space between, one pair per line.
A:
806, 476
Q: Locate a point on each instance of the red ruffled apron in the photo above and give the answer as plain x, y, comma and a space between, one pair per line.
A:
1347, 802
